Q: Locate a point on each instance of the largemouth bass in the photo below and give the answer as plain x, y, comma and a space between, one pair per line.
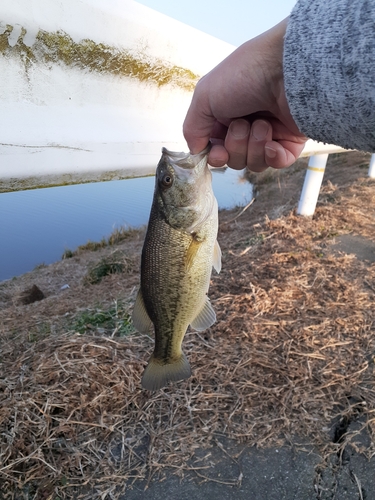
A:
178, 254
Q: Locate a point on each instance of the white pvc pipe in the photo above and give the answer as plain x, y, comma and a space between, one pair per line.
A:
371, 170
311, 187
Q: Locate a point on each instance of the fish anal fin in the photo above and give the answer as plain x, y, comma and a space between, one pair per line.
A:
141, 319
205, 318
216, 261
158, 373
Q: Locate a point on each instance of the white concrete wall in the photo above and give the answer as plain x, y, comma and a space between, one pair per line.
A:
69, 124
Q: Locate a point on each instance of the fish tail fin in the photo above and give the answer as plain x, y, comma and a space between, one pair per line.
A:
157, 374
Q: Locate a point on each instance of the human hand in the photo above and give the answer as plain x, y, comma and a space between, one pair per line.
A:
241, 107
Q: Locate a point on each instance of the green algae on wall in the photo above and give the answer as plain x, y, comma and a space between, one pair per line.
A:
97, 57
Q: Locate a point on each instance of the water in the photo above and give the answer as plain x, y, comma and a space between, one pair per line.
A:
37, 226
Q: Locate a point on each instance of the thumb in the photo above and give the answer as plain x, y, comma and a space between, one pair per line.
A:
197, 131
199, 123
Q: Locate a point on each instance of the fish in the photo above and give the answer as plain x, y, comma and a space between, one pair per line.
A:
179, 251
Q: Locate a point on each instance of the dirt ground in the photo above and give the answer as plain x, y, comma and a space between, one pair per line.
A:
291, 355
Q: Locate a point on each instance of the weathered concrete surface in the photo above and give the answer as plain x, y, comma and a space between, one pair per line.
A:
273, 474
361, 247
267, 474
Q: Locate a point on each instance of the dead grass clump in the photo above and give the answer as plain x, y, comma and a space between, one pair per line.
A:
69, 398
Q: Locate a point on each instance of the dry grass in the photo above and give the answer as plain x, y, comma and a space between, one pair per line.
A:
292, 351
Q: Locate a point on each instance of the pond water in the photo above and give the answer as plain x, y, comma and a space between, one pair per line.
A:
37, 226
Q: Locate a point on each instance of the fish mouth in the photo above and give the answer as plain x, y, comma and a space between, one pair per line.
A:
185, 160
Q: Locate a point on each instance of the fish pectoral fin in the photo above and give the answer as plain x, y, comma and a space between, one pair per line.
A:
140, 317
216, 261
157, 374
205, 318
192, 252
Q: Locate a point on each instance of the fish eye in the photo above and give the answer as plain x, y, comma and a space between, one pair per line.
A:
167, 180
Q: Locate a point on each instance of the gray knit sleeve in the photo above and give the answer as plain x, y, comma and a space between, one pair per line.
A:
329, 71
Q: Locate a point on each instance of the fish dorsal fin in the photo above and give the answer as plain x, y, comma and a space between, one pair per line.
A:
141, 319
205, 318
216, 261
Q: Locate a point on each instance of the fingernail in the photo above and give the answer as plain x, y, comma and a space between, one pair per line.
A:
239, 128
271, 153
216, 161
260, 130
